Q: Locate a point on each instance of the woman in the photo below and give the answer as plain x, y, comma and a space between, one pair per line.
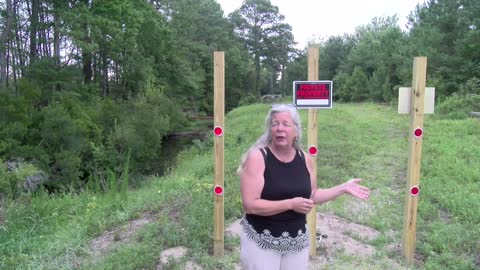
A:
278, 190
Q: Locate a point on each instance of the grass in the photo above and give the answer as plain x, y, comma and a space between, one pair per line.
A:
355, 140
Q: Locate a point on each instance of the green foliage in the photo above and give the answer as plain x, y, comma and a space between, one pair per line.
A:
16, 117
334, 52
72, 138
124, 180
66, 168
248, 99
461, 103
12, 136
140, 129
5, 185
297, 69
103, 162
471, 87
46, 76
267, 37
379, 86
375, 62
458, 107
445, 31
59, 131
342, 86
241, 80
66, 130
358, 82
12, 183
362, 140
198, 28
111, 184
131, 59
131, 63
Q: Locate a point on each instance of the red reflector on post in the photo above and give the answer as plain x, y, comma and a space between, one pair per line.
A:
218, 131
218, 190
418, 132
414, 191
313, 150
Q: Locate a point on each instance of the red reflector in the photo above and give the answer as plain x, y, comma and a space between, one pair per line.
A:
218, 190
418, 132
414, 191
313, 150
218, 131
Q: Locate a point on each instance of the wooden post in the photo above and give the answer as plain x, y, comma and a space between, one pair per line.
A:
218, 147
414, 157
313, 66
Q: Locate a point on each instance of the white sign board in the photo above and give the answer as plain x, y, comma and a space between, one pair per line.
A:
405, 99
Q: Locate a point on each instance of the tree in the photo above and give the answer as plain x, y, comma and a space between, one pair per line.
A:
448, 34
7, 26
56, 53
333, 52
359, 85
199, 29
279, 49
262, 29
34, 29
379, 51
296, 70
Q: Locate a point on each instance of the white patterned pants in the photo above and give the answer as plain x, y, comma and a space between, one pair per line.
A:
253, 257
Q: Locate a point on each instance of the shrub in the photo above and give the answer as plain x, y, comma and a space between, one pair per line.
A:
66, 169
458, 106
466, 100
4, 179
248, 99
21, 178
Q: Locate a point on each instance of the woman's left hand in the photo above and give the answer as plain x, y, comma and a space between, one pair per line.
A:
354, 188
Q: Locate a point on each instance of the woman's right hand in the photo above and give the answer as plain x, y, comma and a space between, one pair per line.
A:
301, 205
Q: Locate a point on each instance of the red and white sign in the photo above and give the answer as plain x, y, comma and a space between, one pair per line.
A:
312, 94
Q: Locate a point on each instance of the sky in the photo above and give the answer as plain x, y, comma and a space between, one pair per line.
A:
319, 19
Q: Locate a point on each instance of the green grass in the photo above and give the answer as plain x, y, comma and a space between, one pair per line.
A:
355, 140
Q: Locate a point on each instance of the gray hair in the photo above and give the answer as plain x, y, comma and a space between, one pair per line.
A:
264, 139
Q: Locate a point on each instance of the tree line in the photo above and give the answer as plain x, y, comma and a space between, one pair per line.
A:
87, 86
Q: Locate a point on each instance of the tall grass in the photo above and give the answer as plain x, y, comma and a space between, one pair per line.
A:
355, 140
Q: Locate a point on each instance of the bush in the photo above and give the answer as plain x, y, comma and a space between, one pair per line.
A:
459, 104
4, 179
248, 99
77, 139
66, 169
140, 130
471, 87
19, 180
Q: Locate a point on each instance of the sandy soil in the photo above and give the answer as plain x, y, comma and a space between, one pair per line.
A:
334, 235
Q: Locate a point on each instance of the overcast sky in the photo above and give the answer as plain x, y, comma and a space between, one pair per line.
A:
314, 19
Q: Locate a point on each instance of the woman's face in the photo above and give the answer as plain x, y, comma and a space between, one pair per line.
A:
282, 129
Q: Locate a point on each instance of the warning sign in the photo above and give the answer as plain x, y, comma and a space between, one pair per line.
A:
312, 94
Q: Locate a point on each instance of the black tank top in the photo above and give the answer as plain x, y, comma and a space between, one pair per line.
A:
283, 181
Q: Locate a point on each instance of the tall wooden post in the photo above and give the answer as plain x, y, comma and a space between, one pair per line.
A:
218, 147
313, 69
414, 157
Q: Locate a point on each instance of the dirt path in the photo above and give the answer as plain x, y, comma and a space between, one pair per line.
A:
336, 236
111, 239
